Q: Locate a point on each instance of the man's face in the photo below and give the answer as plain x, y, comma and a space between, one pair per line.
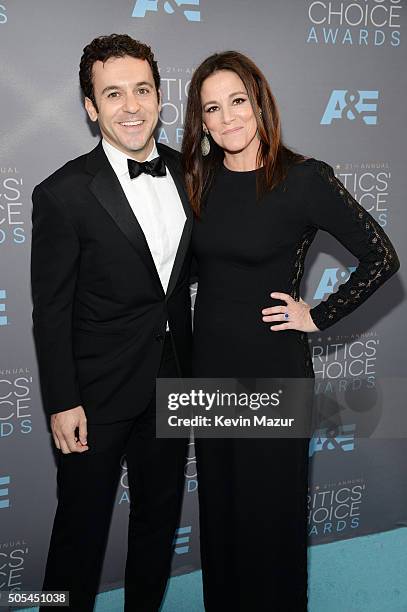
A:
128, 104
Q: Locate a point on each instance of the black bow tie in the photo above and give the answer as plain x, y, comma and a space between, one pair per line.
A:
155, 167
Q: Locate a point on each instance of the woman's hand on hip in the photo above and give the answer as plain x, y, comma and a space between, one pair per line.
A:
292, 315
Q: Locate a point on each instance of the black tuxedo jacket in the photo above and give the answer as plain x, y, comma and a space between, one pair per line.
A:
100, 310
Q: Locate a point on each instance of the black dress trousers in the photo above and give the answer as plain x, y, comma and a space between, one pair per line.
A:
87, 484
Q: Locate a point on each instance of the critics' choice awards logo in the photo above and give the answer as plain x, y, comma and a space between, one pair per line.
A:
12, 230
190, 471
335, 507
3, 14
362, 22
344, 360
189, 8
13, 556
174, 91
370, 185
15, 402
123, 494
354, 106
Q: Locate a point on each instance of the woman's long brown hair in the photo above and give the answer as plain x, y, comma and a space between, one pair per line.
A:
273, 155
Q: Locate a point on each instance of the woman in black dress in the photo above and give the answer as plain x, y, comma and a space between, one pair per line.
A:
258, 207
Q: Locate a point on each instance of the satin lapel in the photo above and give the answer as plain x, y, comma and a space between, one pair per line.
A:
106, 187
176, 174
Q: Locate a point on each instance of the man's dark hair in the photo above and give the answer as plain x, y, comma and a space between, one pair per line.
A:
103, 48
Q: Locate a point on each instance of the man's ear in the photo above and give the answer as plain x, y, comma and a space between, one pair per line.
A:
159, 100
91, 110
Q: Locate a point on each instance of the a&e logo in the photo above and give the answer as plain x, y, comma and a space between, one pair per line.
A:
344, 104
4, 503
3, 318
141, 7
329, 279
182, 540
343, 439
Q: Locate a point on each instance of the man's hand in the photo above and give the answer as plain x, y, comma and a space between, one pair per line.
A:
293, 315
64, 425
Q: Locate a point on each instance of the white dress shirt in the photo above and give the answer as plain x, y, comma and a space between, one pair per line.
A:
157, 207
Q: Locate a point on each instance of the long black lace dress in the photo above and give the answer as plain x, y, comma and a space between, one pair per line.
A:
253, 492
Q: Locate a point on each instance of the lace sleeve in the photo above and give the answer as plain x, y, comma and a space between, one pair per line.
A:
332, 208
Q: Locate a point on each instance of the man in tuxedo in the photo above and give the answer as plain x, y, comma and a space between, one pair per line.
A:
110, 281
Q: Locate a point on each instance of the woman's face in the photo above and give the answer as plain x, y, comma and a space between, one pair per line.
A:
228, 114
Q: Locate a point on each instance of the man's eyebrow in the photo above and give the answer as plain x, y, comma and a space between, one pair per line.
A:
144, 83
110, 88
116, 87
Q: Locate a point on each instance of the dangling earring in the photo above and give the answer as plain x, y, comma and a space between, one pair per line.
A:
205, 144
